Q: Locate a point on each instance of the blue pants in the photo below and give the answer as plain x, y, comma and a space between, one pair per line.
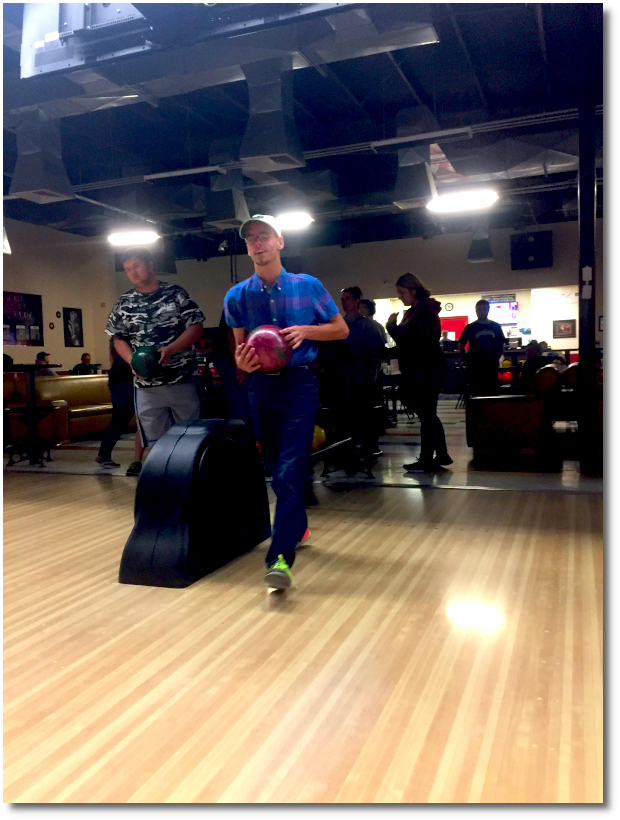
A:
284, 407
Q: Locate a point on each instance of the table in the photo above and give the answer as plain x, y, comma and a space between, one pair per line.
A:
34, 447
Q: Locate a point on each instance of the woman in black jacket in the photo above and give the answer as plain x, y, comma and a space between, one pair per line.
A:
423, 367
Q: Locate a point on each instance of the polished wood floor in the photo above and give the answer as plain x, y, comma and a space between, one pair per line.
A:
442, 646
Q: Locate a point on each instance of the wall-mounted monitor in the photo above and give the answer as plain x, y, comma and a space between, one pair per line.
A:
504, 313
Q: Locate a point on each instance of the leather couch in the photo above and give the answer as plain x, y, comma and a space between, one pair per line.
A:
82, 405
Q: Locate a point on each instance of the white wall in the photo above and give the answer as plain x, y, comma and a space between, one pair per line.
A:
66, 271
554, 303
72, 271
441, 263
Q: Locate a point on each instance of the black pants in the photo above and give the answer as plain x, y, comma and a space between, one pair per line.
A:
482, 378
420, 391
122, 412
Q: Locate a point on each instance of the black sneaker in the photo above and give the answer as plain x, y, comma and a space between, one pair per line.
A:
106, 462
442, 461
419, 467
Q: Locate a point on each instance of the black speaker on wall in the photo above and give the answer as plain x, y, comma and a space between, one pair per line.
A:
531, 250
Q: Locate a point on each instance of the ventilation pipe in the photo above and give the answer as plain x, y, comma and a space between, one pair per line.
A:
226, 206
480, 248
414, 179
271, 142
39, 174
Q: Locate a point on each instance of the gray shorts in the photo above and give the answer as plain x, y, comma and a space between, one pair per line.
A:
158, 408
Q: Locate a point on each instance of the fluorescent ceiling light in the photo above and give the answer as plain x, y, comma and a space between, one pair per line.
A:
294, 220
463, 201
133, 238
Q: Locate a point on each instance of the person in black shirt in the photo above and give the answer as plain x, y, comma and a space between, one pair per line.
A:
486, 342
120, 383
232, 379
84, 368
360, 371
368, 308
423, 367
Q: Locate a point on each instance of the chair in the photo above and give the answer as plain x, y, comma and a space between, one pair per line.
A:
460, 368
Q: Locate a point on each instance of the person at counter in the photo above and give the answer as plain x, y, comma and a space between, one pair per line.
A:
486, 341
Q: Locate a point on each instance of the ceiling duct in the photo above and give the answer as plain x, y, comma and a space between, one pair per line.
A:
165, 202
271, 142
223, 152
226, 206
308, 35
480, 248
414, 180
532, 155
39, 174
226, 210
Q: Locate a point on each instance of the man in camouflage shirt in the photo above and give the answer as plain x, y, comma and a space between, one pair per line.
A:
162, 315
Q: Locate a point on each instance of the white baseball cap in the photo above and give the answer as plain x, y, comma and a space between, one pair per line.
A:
266, 218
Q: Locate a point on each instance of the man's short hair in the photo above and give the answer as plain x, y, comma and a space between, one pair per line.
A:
140, 253
482, 302
372, 307
42, 355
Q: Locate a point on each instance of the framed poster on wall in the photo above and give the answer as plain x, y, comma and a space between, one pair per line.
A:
72, 323
23, 319
564, 328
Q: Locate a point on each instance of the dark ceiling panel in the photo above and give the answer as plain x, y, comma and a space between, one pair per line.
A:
159, 112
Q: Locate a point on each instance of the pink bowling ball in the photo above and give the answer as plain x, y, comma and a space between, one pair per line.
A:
272, 349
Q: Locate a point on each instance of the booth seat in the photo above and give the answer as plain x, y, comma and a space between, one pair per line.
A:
82, 405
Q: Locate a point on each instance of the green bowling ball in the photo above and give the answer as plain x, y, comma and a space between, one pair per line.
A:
145, 361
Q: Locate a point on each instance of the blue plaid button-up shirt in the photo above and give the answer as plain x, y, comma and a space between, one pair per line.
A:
295, 299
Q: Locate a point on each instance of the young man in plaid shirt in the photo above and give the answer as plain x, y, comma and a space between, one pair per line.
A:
283, 404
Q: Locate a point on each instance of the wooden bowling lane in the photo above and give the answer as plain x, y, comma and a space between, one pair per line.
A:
441, 647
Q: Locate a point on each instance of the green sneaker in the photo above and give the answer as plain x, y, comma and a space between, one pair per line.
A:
279, 575
134, 468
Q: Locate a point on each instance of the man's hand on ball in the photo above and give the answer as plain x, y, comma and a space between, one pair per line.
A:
246, 358
295, 335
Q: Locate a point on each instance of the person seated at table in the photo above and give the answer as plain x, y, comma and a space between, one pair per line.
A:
534, 360
84, 368
551, 355
7, 365
44, 358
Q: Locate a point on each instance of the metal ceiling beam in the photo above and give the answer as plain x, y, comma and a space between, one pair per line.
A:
459, 36
327, 73
402, 76
543, 46
230, 99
